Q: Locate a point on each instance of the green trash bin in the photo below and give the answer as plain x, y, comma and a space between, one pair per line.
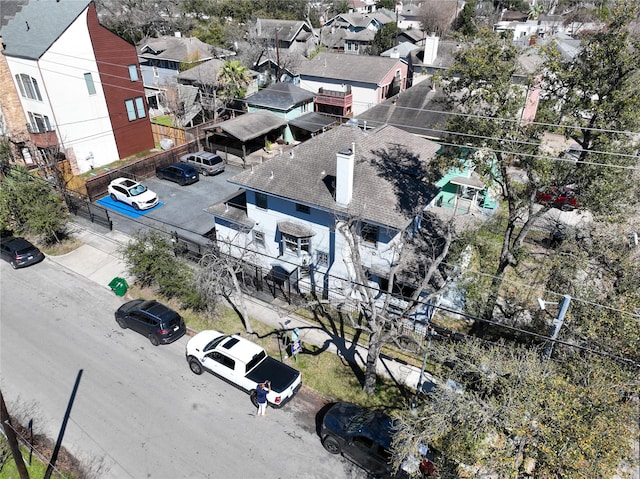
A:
119, 286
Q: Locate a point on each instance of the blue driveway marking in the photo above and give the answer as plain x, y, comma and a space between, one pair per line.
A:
124, 209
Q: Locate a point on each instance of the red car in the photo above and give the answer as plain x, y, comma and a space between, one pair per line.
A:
563, 198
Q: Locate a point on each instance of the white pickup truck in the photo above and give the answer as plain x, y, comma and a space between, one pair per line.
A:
243, 364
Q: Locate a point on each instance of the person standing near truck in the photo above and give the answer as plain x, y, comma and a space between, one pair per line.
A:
261, 396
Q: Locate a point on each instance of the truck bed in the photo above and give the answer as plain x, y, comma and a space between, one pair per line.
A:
281, 375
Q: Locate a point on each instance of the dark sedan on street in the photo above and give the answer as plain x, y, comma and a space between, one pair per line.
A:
178, 173
154, 320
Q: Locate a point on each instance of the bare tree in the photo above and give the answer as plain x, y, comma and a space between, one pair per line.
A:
220, 273
415, 257
437, 16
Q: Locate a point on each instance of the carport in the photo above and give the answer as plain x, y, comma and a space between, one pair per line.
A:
245, 134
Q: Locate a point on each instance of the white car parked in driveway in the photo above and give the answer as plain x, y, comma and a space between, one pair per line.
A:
132, 193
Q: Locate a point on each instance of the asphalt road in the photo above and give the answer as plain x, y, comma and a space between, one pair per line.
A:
139, 411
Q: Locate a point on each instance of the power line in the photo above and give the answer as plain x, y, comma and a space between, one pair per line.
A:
443, 308
450, 113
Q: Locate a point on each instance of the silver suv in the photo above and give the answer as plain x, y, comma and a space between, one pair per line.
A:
205, 162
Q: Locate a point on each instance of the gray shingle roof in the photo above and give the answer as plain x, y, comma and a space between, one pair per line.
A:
35, 27
205, 73
9, 8
356, 68
177, 49
287, 29
385, 189
420, 110
281, 96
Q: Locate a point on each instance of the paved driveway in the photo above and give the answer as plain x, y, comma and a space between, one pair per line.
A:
183, 206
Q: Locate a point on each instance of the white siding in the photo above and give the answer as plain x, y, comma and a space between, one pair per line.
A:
363, 98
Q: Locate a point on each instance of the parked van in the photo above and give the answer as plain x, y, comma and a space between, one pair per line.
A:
205, 162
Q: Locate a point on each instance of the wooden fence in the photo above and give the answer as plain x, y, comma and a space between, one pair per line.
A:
138, 170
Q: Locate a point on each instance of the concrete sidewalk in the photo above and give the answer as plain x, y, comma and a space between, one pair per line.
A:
99, 259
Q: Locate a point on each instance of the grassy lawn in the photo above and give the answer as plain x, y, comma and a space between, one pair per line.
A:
8, 470
166, 120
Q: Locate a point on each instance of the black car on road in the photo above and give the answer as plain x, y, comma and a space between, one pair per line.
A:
179, 173
154, 320
19, 252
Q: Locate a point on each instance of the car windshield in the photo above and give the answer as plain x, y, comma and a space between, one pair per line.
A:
137, 190
215, 342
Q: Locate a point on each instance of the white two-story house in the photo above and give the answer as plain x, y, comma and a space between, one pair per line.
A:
289, 213
79, 86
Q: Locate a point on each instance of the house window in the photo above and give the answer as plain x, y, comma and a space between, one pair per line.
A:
156, 73
39, 123
295, 245
261, 201
140, 107
369, 233
28, 87
133, 73
303, 208
322, 258
88, 79
258, 238
135, 108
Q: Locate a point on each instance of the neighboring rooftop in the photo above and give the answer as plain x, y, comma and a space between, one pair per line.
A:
420, 110
281, 96
354, 68
250, 125
176, 49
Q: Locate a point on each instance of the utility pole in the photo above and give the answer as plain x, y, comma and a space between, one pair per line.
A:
557, 324
277, 57
11, 439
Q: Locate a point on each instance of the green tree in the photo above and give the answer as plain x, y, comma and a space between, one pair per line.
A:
480, 86
385, 38
29, 205
466, 23
211, 31
595, 91
388, 4
151, 259
517, 416
234, 78
595, 97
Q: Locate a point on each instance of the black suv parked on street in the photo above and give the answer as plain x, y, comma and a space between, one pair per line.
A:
19, 252
152, 319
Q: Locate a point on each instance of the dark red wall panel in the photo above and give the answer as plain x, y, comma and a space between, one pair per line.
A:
114, 55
